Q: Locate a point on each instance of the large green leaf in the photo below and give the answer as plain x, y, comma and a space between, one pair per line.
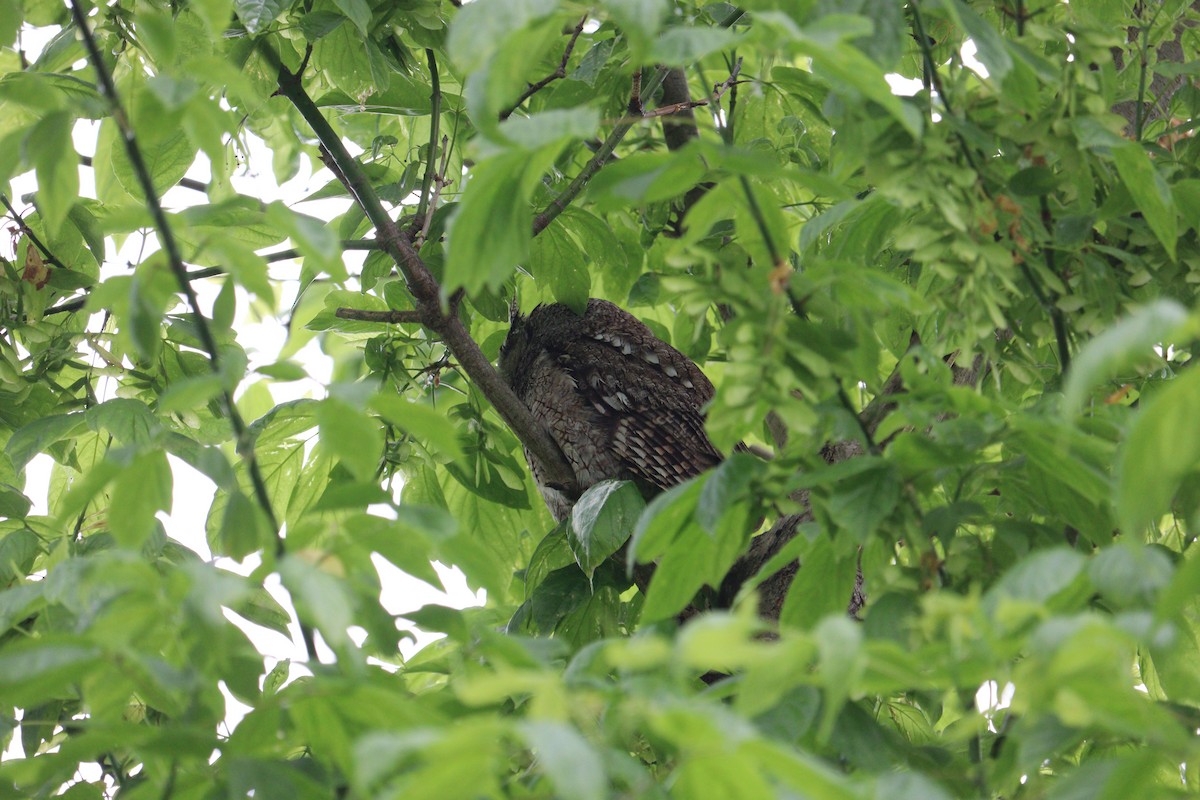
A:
1150, 191
602, 520
1162, 447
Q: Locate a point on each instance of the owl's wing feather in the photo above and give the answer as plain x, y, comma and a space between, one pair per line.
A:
647, 395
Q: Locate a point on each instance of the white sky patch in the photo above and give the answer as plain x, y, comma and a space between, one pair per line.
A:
992, 698
902, 86
967, 53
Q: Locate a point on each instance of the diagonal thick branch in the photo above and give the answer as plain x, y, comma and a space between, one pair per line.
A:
422, 286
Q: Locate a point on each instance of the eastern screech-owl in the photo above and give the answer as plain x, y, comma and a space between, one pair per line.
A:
619, 401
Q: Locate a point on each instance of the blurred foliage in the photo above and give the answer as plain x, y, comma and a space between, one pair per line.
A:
1029, 534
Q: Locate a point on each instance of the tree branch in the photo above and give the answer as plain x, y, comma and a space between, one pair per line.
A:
245, 446
77, 303
425, 207
388, 317
186, 183
558, 74
424, 288
33, 237
598, 160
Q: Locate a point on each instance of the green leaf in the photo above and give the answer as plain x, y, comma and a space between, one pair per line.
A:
359, 12
35, 669
692, 561
242, 530
29, 440
990, 47
258, 14
283, 371
1127, 574
548, 127
10, 22
841, 664
663, 520
352, 436
1033, 181
18, 602
490, 233
822, 586
480, 30
1150, 191
18, 550
13, 503
321, 598
681, 47
602, 520
861, 502
50, 149
639, 20
189, 393
849, 71
407, 542
552, 553
726, 485
167, 159
1130, 341
314, 238
1039, 578
1162, 447
129, 421
645, 178
558, 260
420, 421
574, 766
140, 491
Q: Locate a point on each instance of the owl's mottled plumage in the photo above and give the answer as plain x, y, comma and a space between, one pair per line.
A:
619, 401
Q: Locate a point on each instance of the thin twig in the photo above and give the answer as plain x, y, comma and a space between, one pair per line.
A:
439, 182
186, 183
33, 237
387, 317
558, 74
285, 255
718, 92
77, 303
598, 160
170, 246
424, 206
1056, 313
